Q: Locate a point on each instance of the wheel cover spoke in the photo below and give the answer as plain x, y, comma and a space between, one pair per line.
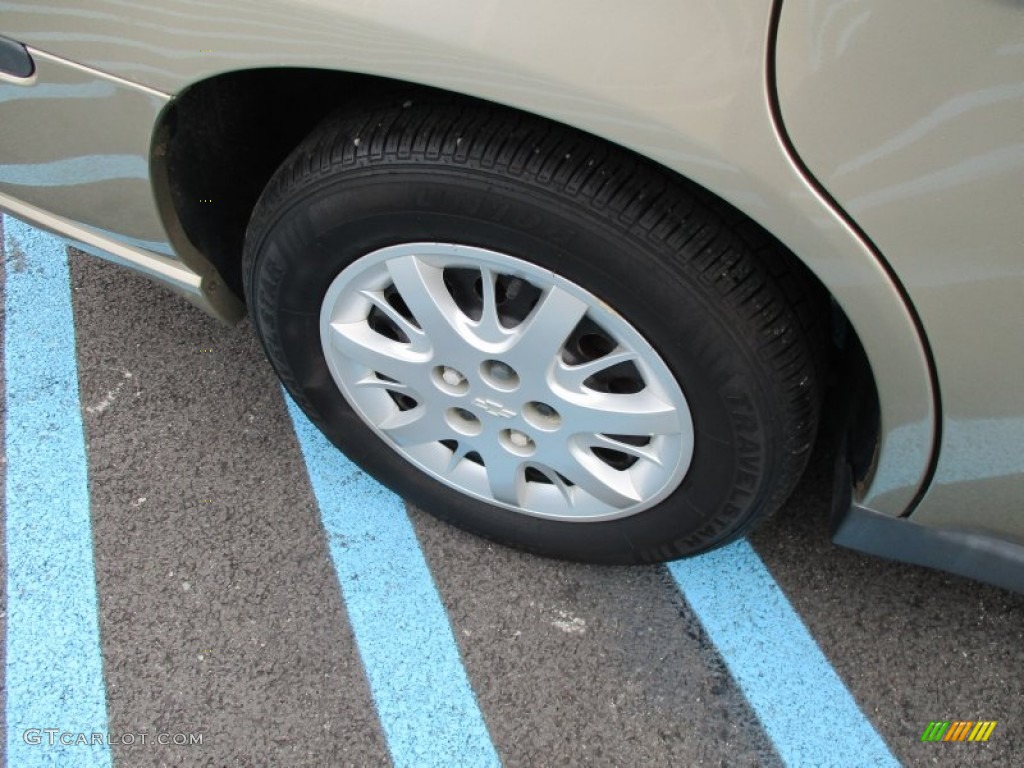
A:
507, 382
357, 342
417, 339
639, 451
414, 427
422, 288
542, 334
572, 377
489, 328
505, 475
637, 414
591, 476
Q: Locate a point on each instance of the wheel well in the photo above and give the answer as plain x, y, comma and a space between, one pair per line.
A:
222, 139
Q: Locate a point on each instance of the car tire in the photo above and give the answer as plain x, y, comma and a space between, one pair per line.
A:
534, 335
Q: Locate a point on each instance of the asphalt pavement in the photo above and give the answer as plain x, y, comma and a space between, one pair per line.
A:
225, 608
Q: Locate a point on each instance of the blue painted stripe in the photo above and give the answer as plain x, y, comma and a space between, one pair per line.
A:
802, 703
426, 706
54, 669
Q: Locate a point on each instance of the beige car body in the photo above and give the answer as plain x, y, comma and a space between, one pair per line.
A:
879, 141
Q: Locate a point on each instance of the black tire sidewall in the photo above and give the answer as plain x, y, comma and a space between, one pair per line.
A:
298, 249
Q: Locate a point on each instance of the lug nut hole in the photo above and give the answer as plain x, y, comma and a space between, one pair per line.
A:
462, 421
499, 375
450, 380
542, 416
519, 443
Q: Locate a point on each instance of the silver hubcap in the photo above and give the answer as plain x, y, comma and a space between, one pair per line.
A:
506, 382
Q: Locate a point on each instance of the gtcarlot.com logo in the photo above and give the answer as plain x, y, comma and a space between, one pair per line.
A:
52, 737
958, 730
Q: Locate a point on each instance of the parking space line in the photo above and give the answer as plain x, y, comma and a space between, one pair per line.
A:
427, 709
803, 705
54, 668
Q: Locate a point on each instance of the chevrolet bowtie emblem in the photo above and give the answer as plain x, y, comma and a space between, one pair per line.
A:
493, 408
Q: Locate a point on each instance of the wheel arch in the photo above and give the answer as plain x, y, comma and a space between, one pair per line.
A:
219, 140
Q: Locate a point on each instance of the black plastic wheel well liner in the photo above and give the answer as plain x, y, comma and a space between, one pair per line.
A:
224, 137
